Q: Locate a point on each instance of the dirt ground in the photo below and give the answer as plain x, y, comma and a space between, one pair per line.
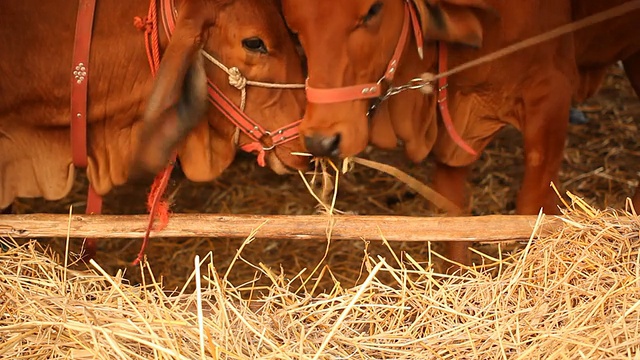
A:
600, 165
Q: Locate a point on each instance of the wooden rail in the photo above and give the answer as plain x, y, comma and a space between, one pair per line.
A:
486, 229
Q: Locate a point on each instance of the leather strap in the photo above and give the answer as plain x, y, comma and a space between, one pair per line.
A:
442, 100
79, 80
417, 32
94, 206
346, 93
372, 90
79, 114
168, 16
252, 129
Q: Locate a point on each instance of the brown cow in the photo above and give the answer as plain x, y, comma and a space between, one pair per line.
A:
352, 43
603, 44
530, 90
36, 40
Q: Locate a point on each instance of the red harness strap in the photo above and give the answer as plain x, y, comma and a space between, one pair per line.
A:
81, 47
442, 101
79, 80
252, 129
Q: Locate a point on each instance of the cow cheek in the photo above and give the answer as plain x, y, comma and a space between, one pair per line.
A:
382, 133
206, 152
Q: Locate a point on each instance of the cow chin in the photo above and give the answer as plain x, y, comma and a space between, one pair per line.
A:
354, 136
276, 165
353, 142
282, 162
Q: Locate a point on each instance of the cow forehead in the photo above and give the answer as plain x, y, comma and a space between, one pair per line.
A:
324, 14
263, 13
253, 18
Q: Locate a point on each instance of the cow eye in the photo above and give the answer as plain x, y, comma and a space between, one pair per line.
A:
373, 11
255, 44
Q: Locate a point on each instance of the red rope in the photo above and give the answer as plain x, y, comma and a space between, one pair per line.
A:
156, 206
146, 25
256, 146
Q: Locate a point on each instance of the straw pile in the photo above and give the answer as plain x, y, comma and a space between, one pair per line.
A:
574, 294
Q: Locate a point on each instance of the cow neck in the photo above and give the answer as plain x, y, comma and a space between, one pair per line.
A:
231, 111
79, 88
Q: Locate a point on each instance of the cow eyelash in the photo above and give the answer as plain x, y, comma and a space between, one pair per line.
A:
254, 44
374, 10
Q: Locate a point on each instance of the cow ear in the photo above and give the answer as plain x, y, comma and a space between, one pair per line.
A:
178, 99
455, 21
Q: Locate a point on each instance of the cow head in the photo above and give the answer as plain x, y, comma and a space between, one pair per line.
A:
247, 34
349, 43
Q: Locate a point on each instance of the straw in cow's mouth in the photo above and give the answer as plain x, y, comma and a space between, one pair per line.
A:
322, 172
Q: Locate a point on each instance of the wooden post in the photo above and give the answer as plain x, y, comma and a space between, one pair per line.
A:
487, 229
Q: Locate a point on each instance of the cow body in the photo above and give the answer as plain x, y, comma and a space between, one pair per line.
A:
538, 110
36, 40
602, 44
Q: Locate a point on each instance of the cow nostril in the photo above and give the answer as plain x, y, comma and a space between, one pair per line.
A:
323, 146
310, 144
332, 145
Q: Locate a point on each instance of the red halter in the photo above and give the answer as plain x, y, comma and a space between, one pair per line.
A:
374, 90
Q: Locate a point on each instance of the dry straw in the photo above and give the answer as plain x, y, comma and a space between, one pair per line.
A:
572, 295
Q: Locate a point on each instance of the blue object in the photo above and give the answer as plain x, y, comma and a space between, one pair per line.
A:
577, 117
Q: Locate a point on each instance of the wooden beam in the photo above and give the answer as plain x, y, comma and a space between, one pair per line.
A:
491, 228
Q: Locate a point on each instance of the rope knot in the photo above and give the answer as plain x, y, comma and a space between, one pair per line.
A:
256, 147
142, 24
236, 79
427, 89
